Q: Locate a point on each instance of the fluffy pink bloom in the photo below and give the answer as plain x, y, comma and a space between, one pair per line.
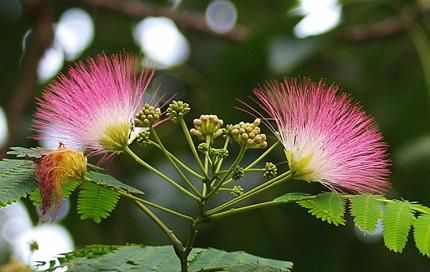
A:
93, 106
326, 135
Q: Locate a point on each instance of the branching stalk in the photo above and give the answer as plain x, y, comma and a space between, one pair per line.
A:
262, 156
232, 167
152, 204
178, 161
192, 146
261, 188
166, 153
159, 173
177, 245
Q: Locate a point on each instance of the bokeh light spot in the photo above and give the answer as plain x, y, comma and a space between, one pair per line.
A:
161, 41
320, 17
51, 63
74, 32
3, 127
52, 240
221, 16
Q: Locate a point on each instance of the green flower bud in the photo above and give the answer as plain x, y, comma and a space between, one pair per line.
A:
248, 134
270, 170
147, 116
207, 125
177, 109
143, 137
203, 147
238, 173
216, 153
236, 191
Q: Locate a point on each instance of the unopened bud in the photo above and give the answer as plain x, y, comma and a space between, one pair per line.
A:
207, 126
177, 109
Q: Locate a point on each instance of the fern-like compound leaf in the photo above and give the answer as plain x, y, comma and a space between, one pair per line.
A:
163, 258
16, 180
366, 210
24, 152
109, 181
96, 201
422, 234
398, 217
329, 207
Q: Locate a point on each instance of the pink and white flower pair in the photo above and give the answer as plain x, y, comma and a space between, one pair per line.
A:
327, 136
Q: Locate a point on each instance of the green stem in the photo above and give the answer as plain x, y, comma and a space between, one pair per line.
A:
177, 245
156, 171
262, 156
227, 140
261, 188
177, 160
192, 146
208, 142
233, 211
232, 167
255, 162
166, 153
152, 204
246, 170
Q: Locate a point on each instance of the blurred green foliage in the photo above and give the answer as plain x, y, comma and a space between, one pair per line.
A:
384, 72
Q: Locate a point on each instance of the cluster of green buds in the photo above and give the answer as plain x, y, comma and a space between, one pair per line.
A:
248, 134
147, 116
177, 109
238, 173
236, 191
207, 126
203, 147
221, 153
270, 170
143, 137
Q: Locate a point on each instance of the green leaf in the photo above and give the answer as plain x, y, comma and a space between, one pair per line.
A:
109, 181
328, 207
290, 197
366, 210
162, 258
67, 188
398, 217
422, 234
22, 152
96, 202
210, 259
16, 180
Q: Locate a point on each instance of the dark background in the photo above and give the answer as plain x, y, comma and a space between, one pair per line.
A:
379, 52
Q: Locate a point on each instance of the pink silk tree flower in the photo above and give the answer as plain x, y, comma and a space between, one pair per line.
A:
327, 137
93, 106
